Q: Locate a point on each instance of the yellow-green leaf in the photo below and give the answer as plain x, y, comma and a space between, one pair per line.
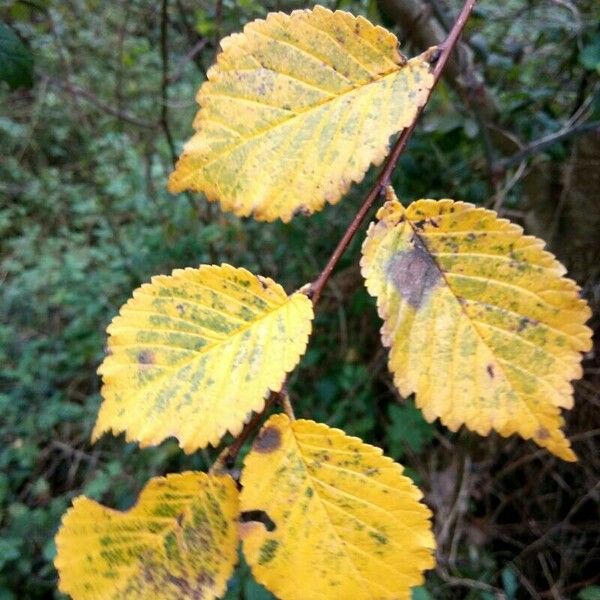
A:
193, 353
345, 521
482, 325
297, 107
179, 541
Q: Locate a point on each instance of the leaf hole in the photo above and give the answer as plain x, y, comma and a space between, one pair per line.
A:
259, 516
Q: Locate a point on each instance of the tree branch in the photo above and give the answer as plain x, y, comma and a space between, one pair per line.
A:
99, 104
440, 57
545, 142
164, 87
227, 458
425, 24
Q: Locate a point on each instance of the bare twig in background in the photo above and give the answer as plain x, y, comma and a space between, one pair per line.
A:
218, 26
547, 141
469, 583
593, 493
192, 36
101, 105
120, 55
191, 54
164, 87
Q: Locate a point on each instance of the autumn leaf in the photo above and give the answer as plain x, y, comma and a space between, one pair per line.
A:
296, 109
482, 325
179, 540
193, 353
342, 519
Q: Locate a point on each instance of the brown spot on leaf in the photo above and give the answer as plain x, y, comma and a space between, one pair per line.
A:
178, 582
180, 309
490, 371
413, 273
268, 440
526, 322
301, 210
542, 433
146, 357
203, 581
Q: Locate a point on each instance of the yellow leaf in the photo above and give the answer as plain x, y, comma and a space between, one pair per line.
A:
482, 325
179, 540
193, 353
346, 523
296, 108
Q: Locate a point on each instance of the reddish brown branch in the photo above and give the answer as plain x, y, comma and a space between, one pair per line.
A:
440, 58
230, 454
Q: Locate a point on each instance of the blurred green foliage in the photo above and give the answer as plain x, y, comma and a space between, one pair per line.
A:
85, 218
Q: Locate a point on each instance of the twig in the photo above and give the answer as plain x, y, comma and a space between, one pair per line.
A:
218, 25
120, 54
595, 490
191, 35
164, 87
547, 141
439, 56
284, 400
469, 583
228, 456
194, 50
442, 54
92, 99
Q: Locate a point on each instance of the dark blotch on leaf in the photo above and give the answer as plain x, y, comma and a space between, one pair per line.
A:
490, 370
302, 210
526, 322
267, 552
413, 273
268, 440
542, 433
378, 537
145, 357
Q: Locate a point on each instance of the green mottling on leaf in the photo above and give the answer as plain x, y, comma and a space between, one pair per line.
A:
267, 552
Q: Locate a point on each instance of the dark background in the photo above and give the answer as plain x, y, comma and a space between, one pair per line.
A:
87, 139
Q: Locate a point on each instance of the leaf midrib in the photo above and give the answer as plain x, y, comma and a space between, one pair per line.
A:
206, 349
497, 362
341, 541
260, 133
